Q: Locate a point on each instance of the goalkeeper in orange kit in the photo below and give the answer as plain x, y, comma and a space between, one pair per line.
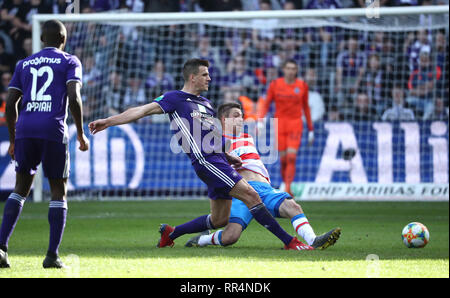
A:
290, 95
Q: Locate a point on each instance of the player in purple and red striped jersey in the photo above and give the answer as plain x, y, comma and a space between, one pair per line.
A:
46, 83
192, 120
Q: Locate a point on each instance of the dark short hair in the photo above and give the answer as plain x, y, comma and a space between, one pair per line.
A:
225, 108
290, 61
53, 32
191, 67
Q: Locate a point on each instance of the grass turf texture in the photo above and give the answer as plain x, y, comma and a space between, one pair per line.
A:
118, 239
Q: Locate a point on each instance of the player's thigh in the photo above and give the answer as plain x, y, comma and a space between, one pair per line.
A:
293, 141
56, 160
28, 155
271, 197
220, 212
281, 140
244, 192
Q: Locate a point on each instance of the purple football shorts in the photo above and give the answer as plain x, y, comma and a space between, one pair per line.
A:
30, 152
217, 174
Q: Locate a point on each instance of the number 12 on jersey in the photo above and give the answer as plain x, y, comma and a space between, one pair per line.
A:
39, 95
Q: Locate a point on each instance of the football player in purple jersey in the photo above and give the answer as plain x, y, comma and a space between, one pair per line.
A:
46, 83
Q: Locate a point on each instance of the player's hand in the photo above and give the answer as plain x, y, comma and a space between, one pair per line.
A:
234, 161
98, 125
84, 142
11, 150
310, 138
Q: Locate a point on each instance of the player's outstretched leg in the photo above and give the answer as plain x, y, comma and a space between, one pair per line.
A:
325, 240
4, 263
290, 209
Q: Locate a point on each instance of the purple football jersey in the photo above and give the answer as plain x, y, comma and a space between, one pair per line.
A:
42, 78
193, 123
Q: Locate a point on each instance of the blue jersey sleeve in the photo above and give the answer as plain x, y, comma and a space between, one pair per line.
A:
166, 102
74, 70
15, 82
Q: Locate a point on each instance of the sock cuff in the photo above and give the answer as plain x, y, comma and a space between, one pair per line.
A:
257, 207
58, 204
217, 238
297, 217
16, 197
209, 223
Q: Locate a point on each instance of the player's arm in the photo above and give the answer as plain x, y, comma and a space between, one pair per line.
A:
307, 112
128, 116
12, 98
76, 108
264, 106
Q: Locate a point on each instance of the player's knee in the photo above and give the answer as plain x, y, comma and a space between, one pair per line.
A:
219, 222
290, 208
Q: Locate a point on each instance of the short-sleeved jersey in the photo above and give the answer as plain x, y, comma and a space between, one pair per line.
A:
194, 124
42, 78
244, 147
291, 101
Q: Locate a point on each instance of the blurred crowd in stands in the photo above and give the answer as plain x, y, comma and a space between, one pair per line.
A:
352, 75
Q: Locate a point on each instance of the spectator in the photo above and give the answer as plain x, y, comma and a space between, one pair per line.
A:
415, 45
315, 100
325, 62
441, 62
363, 109
334, 115
8, 10
439, 111
59, 6
237, 41
134, 93
375, 83
323, 4
159, 81
398, 111
291, 5
363, 3
91, 74
220, 5
5, 79
6, 60
22, 20
421, 85
26, 50
350, 67
113, 93
266, 27
240, 75
205, 51
289, 50
403, 2
162, 6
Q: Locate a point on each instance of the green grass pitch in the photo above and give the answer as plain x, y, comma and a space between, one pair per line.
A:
118, 239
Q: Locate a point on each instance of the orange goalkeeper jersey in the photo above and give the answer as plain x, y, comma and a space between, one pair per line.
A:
291, 101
